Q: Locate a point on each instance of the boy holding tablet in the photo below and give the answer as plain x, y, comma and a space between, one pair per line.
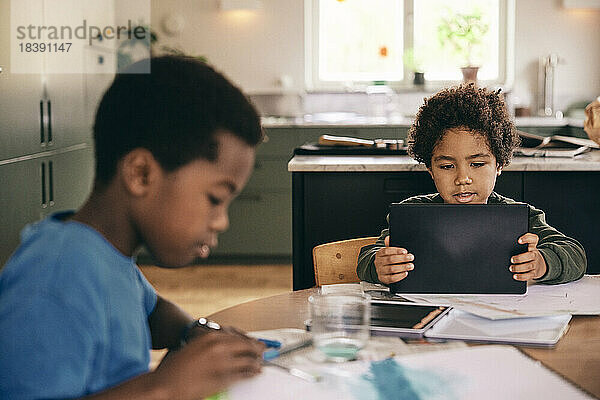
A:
465, 137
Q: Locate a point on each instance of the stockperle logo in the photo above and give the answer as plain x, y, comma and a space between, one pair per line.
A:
78, 36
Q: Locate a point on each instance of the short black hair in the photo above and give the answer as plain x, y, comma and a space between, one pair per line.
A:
174, 112
479, 110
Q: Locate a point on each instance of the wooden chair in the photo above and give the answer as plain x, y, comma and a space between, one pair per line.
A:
335, 262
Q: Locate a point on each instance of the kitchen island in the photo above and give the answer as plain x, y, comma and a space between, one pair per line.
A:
342, 197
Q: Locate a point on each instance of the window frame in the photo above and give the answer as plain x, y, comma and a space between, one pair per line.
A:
506, 41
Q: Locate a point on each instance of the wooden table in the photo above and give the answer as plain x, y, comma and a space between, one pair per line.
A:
576, 356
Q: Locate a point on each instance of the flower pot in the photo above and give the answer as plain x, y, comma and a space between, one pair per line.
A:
469, 74
419, 79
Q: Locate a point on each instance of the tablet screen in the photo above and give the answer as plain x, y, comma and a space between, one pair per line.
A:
407, 316
459, 249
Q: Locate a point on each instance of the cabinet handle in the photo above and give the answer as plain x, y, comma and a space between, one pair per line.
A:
44, 204
50, 184
42, 124
49, 122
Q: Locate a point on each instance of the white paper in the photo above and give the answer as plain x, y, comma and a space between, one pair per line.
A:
341, 288
483, 372
581, 297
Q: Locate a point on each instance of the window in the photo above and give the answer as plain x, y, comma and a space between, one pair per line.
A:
356, 42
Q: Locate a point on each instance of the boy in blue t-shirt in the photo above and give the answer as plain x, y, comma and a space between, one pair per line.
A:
77, 317
465, 138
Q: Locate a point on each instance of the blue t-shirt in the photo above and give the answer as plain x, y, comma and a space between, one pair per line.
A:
73, 314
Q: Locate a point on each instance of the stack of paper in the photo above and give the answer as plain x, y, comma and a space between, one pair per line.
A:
576, 298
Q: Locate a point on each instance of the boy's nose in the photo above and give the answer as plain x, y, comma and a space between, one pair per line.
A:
221, 222
463, 180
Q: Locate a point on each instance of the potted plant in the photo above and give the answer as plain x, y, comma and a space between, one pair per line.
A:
463, 33
415, 65
136, 47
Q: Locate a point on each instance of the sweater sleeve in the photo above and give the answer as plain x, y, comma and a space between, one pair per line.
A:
564, 256
366, 259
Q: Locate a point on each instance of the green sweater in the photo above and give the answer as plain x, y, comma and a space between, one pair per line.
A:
565, 257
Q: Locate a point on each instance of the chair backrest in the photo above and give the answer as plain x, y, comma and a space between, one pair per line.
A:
335, 262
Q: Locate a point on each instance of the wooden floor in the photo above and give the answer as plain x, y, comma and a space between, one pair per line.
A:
204, 289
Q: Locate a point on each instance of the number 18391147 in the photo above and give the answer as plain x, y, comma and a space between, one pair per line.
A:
43, 47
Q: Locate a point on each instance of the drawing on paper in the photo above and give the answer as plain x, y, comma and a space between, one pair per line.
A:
388, 379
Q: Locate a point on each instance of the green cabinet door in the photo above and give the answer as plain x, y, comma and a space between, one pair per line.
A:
21, 198
72, 174
34, 188
260, 226
261, 217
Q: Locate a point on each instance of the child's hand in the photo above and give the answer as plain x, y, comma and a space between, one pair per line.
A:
529, 265
208, 364
392, 263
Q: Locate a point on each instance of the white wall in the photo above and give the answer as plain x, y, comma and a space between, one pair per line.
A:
544, 27
255, 48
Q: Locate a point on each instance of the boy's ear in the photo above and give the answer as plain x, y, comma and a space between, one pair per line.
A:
498, 170
430, 173
138, 170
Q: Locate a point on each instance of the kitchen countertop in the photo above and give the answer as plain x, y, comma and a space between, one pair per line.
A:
586, 162
330, 120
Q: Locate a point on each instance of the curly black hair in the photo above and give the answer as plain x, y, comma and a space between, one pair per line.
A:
466, 106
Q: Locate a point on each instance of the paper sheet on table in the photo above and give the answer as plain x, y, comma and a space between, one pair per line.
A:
483, 372
581, 297
376, 291
340, 288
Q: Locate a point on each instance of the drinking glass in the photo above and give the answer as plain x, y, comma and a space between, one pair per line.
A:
340, 324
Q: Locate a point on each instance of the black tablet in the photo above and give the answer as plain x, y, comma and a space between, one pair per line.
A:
402, 319
459, 249
407, 320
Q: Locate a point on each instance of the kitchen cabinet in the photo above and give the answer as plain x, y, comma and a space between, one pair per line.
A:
21, 100
570, 201
46, 150
43, 111
261, 217
35, 187
21, 200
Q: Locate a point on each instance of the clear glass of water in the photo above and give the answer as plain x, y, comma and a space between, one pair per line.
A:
340, 324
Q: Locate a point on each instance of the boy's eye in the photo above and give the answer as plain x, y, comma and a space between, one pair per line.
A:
214, 200
445, 166
478, 164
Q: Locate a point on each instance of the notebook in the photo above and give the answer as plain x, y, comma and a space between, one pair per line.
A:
533, 331
459, 249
